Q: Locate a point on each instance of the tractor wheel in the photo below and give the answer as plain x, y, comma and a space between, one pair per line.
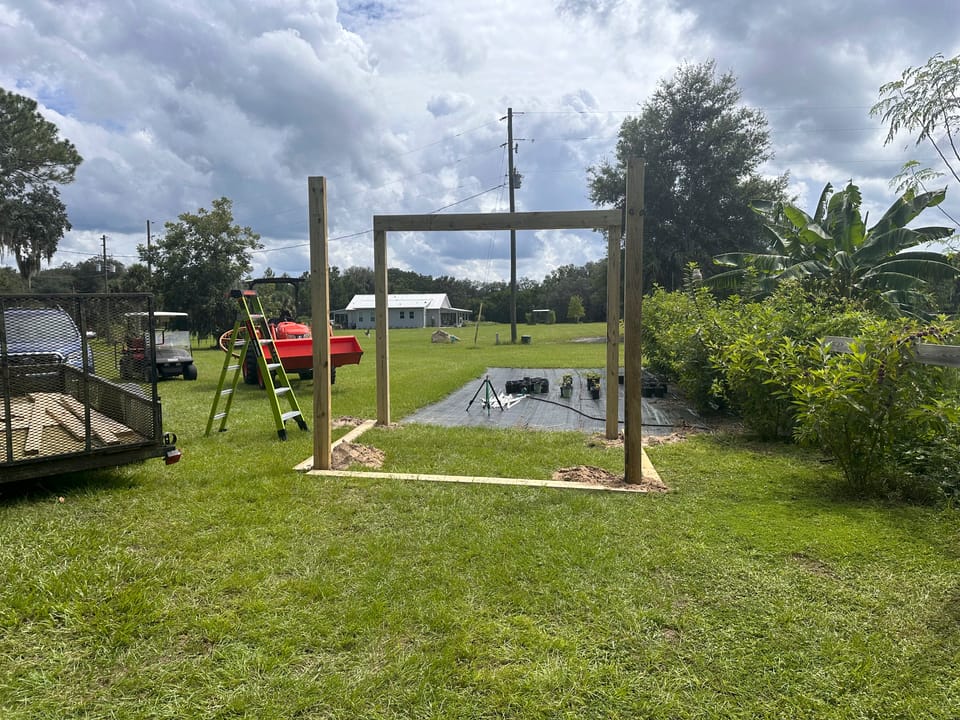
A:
305, 374
250, 367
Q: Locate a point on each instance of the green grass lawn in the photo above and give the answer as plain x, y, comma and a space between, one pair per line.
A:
229, 586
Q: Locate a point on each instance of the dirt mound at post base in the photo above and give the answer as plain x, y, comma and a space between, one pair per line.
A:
346, 454
598, 476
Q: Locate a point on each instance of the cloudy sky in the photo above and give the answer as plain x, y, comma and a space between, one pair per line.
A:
401, 105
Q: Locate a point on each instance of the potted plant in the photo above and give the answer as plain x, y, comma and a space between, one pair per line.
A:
593, 385
566, 386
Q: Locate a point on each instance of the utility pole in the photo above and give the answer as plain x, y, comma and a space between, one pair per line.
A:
513, 232
149, 264
105, 286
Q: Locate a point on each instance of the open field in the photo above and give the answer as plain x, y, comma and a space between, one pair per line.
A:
229, 586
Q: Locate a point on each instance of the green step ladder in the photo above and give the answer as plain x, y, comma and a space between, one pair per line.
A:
252, 322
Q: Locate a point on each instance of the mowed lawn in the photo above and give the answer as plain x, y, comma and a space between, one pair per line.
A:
229, 586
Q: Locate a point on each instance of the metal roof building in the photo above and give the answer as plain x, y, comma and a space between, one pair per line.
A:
404, 310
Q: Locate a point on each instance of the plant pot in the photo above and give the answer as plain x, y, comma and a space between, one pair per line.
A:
566, 391
595, 392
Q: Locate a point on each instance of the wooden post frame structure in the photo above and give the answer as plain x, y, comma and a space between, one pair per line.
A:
611, 219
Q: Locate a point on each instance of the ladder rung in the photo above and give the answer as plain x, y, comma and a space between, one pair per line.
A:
228, 391
282, 390
233, 368
272, 366
289, 415
265, 341
219, 416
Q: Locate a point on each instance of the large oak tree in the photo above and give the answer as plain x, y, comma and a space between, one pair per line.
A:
198, 261
703, 152
33, 161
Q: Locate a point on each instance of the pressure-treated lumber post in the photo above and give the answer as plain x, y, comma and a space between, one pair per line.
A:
613, 331
633, 299
320, 311
381, 325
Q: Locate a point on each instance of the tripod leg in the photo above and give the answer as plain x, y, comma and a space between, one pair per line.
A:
482, 385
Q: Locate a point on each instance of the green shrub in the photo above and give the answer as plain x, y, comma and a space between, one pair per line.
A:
739, 355
763, 353
877, 413
679, 330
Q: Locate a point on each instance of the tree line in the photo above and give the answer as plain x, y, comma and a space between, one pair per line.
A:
212, 311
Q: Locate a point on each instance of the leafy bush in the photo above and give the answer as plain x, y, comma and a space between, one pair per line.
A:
878, 413
679, 330
763, 353
739, 355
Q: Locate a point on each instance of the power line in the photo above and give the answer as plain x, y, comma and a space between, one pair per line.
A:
370, 230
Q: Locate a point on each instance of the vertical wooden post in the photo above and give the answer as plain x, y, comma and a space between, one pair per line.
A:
320, 311
381, 322
613, 331
633, 299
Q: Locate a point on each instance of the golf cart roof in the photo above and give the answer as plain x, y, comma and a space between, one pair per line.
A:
157, 314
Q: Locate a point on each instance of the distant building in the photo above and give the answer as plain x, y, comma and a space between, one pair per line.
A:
404, 310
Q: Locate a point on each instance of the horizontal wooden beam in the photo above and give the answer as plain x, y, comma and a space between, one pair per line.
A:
926, 353
475, 480
945, 355
559, 220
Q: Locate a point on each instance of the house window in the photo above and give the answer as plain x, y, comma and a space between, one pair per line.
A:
401, 314
359, 318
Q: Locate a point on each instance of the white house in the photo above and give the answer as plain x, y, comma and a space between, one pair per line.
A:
404, 310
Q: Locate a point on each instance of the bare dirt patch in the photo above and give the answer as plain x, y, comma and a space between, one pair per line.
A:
813, 565
590, 475
347, 454
347, 421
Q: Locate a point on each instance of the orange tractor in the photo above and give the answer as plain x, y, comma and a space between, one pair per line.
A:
294, 343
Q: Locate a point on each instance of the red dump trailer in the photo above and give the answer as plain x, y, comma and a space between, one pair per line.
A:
294, 344
296, 352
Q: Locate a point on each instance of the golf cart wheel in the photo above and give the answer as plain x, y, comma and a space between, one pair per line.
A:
190, 372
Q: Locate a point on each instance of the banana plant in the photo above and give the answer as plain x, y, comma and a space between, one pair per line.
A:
834, 251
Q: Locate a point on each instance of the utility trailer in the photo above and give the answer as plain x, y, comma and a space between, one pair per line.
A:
64, 406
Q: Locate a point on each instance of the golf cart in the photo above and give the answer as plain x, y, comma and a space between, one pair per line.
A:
171, 346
